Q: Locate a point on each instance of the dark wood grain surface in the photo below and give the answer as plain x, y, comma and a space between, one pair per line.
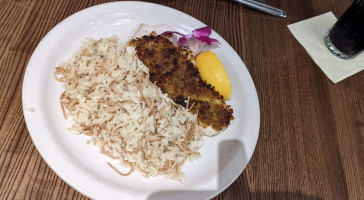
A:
311, 142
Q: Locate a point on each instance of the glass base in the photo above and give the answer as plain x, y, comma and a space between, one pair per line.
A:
333, 49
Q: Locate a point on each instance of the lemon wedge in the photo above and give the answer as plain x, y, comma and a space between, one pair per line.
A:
213, 72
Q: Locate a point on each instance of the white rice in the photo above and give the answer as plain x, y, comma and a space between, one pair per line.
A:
109, 97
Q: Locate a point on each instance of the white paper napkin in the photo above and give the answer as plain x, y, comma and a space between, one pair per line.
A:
310, 34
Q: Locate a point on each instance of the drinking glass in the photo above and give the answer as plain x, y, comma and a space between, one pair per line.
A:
346, 38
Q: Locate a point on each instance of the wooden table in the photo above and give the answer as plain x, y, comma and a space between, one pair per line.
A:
311, 142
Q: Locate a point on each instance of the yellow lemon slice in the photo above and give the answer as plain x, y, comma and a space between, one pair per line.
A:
213, 72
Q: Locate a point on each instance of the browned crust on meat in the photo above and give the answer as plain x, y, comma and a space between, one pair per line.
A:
172, 69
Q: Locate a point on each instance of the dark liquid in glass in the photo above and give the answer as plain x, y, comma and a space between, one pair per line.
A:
347, 35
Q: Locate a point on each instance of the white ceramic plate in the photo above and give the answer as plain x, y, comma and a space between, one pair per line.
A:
224, 157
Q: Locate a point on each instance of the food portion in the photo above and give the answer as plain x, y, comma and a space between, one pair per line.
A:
109, 97
213, 72
172, 68
147, 104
